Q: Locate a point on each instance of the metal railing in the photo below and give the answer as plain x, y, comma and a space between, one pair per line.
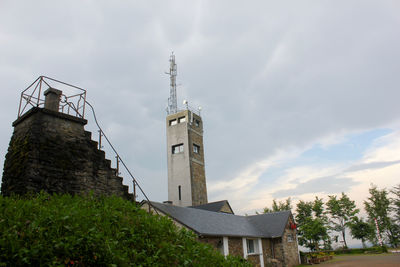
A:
119, 159
72, 102
196, 111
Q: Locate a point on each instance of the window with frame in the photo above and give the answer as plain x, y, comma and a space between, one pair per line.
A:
290, 238
182, 119
196, 149
252, 246
173, 122
177, 149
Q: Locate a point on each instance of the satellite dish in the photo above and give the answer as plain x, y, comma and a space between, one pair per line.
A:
185, 102
199, 108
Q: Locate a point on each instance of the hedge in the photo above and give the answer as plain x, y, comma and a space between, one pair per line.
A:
65, 230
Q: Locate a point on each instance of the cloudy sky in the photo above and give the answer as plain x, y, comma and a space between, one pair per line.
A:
299, 98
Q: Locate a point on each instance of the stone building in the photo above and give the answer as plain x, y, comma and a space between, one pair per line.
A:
265, 240
51, 151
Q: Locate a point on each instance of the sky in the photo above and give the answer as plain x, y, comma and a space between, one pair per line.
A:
299, 98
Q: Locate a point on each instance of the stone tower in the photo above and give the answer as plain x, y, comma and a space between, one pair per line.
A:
51, 151
185, 150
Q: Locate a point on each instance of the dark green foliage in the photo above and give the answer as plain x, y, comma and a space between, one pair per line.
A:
376, 249
60, 230
361, 230
312, 224
396, 203
378, 207
279, 206
342, 211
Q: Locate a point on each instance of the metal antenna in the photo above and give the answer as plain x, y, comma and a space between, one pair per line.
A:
172, 100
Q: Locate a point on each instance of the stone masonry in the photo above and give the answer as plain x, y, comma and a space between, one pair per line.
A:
197, 168
51, 151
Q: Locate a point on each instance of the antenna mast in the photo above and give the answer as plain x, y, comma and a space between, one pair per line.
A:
172, 100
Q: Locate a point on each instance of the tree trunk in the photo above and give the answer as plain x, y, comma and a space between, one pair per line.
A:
344, 237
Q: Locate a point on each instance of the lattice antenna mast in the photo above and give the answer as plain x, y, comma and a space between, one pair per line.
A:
172, 100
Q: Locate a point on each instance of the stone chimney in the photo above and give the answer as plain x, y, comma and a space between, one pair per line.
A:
52, 99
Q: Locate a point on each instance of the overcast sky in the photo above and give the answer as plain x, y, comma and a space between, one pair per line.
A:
299, 98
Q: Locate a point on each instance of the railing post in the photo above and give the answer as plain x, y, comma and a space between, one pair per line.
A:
100, 135
20, 103
134, 191
40, 91
117, 157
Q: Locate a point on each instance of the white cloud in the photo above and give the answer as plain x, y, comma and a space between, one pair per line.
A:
270, 77
379, 165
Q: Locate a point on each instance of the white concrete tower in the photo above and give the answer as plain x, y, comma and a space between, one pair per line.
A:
185, 151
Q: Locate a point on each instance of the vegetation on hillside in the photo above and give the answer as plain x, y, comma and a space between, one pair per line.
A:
64, 230
317, 221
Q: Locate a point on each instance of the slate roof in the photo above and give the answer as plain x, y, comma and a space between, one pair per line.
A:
213, 206
209, 223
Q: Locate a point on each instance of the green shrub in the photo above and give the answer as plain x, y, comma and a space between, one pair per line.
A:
377, 249
64, 230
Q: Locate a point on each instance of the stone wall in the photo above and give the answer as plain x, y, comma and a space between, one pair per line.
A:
235, 245
226, 208
198, 176
215, 242
285, 249
254, 259
51, 151
289, 246
199, 187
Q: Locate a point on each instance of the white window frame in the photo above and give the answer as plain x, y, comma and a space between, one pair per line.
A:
255, 246
181, 119
258, 250
176, 149
196, 149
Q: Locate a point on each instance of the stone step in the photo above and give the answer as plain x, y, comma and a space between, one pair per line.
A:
88, 134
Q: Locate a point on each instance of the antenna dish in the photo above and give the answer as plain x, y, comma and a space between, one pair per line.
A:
199, 108
185, 102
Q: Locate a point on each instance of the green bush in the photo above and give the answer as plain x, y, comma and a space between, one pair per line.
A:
377, 249
64, 230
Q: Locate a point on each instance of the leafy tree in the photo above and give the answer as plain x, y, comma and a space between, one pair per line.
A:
279, 206
312, 224
361, 230
342, 211
378, 207
396, 203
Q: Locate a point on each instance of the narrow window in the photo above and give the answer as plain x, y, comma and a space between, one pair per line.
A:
177, 149
182, 119
197, 123
196, 149
179, 192
172, 122
252, 246
290, 238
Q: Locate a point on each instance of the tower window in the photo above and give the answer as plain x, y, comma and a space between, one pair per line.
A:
197, 123
196, 149
182, 119
177, 149
172, 122
179, 192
